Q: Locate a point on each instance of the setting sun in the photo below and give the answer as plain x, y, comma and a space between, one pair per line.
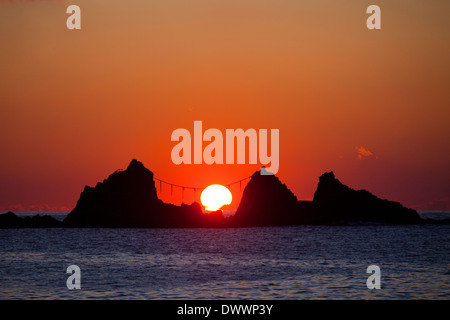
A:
215, 196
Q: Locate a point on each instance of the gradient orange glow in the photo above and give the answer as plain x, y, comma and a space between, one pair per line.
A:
77, 105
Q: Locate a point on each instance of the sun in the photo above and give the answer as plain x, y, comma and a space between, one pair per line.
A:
215, 196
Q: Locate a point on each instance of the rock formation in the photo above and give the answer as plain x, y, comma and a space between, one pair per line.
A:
128, 199
334, 202
9, 220
266, 201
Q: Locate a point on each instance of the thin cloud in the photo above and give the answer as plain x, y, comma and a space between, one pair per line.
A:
363, 152
33, 207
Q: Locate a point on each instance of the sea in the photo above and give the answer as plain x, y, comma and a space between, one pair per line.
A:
298, 262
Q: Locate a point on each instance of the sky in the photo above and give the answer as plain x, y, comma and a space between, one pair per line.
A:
371, 105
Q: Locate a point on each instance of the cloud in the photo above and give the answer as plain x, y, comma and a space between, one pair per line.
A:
15, 208
33, 207
363, 152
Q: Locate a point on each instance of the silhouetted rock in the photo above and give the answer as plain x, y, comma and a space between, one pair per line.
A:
334, 202
266, 201
129, 199
11, 220
44, 221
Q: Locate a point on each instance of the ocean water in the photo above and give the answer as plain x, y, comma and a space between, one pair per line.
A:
302, 262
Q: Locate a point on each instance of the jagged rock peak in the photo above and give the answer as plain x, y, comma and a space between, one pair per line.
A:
135, 165
327, 176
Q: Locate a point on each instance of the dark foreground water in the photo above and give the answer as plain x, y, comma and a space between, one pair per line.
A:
304, 262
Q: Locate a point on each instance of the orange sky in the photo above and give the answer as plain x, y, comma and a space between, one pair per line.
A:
371, 105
